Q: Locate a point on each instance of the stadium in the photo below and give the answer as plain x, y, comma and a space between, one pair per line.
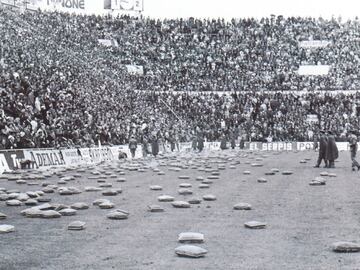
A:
156, 135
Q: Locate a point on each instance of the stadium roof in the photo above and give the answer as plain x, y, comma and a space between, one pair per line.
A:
251, 8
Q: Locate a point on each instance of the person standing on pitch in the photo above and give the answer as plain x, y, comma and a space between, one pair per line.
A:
194, 142
353, 150
332, 152
200, 141
154, 144
132, 146
233, 138
223, 142
145, 146
322, 149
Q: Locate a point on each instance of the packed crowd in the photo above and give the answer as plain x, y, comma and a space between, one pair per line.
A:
60, 88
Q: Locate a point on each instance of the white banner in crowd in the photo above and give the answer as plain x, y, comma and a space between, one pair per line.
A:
135, 5
8, 2
134, 69
311, 118
70, 6
314, 43
314, 70
75, 6
98, 7
108, 42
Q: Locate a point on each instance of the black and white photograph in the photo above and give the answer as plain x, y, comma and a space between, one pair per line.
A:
179, 135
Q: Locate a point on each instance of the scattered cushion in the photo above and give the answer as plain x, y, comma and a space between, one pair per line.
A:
256, 165
165, 198
31, 202
345, 247
111, 192
92, 189
262, 180
76, 226
79, 206
6, 228
190, 251
194, 201
13, 203
100, 201
180, 204
209, 197
155, 208
242, 206
50, 214
318, 181
106, 205
185, 191
255, 225
68, 212
185, 185
191, 237
118, 214
155, 187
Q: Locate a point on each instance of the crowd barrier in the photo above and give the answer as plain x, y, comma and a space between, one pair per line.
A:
45, 158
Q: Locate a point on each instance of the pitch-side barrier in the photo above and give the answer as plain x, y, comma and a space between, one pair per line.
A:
45, 158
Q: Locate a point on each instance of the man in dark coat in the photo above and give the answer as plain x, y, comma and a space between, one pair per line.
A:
223, 142
352, 138
145, 145
171, 139
154, 145
332, 152
132, 146
233, 138
200, 141
194, 142
322, 149
242, 141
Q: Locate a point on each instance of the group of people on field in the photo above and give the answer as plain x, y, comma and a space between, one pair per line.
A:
328, 150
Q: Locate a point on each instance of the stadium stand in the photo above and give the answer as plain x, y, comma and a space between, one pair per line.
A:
60, 87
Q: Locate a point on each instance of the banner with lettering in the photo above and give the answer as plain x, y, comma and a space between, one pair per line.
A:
4, 167
127, 5
70, 6
94, 155
273, 146
45, 158
10, 159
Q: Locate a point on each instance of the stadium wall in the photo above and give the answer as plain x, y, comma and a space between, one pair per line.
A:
45, 158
